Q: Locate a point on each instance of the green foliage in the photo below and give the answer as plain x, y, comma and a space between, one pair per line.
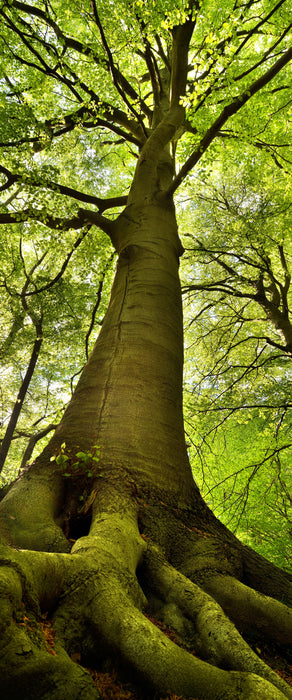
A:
71, 308
237, 386
78, 463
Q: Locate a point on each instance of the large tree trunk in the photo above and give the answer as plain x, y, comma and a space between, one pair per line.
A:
102, 546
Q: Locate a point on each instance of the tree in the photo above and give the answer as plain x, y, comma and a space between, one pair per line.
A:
30, 411
106, 531
238, 395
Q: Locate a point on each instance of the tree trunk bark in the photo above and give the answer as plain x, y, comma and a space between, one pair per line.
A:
131, 388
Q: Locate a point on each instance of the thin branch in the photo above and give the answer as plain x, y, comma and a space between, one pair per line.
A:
97, 303
244, 406
102, 204
265, 56
257, 26
64, 266
43, 67
32, 442
6, 442
73, 43
111, 113
112, 68
162, 53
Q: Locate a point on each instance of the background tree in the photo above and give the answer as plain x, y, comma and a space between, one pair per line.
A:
51, 315
240, 387
107, 527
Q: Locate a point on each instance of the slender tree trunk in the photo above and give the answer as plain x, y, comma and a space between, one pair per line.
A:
6, 442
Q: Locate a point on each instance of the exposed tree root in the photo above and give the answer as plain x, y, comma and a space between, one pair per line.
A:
29, 511
29, 668
98, 596
214, 636
251, 610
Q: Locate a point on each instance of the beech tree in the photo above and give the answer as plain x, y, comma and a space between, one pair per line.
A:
106, 532
237, 386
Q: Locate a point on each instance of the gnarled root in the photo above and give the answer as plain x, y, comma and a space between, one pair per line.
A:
215, 637
100, 594
251, 610
29, 668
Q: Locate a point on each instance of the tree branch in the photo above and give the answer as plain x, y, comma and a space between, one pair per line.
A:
102, 204
32, 442
112, 68
87, 116
256, 28
11, 179
58, 276
182, 35
73, 43
84, 217
97, 303
226, 113
6, 442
